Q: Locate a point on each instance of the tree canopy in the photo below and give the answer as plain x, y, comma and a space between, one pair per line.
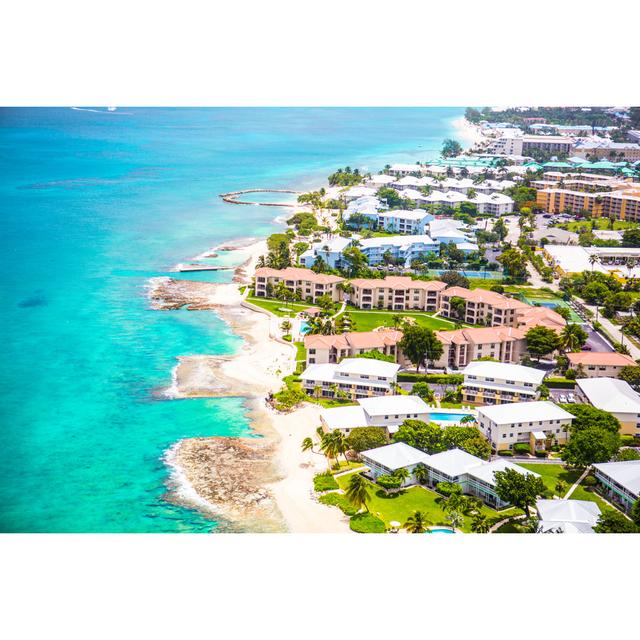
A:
420, 343
614, 522
541, 341
587, 416
591, 445
519, 489
364, 438
451, 148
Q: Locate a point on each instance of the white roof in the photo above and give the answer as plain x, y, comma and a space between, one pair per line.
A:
467, 246
358, 192
396, 241
392, 405
409, 181
504, 371
382, 179
524, 412
448, 196
411, 194
415, 214
368, 366
546, 526
454, 462
405, 167
610, 394
576, 511
327, 372
344, 418
485, 471
445, 224
395, 456
625, 473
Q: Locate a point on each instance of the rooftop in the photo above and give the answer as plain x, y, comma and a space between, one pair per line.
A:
392, 405
344, 417
367, 366
481, 335
355, 339
524, 412
297, 273
486, 470
395, 456
453, 462
625, 473
575, 511
599, 358
398, 282
504, 371
610, 394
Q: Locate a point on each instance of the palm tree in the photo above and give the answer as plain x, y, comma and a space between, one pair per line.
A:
421, 472
357, 492
307, 444
561, 487
480, 524
572, 337
593, 259
286, 327
401, 474
416, 523
455, 520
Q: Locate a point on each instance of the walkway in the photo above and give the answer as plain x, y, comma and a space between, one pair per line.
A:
573, 487
614, 331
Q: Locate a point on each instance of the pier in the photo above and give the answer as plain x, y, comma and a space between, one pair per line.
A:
232, 197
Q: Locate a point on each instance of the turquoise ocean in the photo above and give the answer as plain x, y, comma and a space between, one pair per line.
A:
93, 204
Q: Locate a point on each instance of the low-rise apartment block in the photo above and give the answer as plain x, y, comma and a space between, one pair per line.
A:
384, 411
303, 282
404, 221
488, 382
332, 349
462, 346
531, 423
355, 377
594, 364
398, 293
619, 481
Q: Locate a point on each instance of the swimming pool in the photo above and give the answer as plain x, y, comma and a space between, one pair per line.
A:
446, 416
440, 531
304, 327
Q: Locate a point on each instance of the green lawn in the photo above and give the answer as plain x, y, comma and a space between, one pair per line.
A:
582, 494
276, 306
483, 283
530, 292
600, 224
399, 506
551, 473
369, 320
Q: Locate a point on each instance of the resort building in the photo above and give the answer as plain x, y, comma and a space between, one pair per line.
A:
367, 206
599, 148
384, 411
496, 204
380, 180
462, 346
621, 262
332, 349
614, 396
385, 460
594, 364
619, 481
400, 249
401, 169
488, 382
531, 423
474, 475
402, 221
398, 293
515, 143
329, 248
356, 192
481, 307
567, 516
355, 377
303, 282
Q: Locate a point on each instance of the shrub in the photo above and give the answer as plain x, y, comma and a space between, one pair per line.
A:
435, 378
389, 482
324, 482
590, 481
541, 454
366, 523
364, 438
448, 488
521, 447
505, 452
287, 338
559, 383
627, 440
340, 501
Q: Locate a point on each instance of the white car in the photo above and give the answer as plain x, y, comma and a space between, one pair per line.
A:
563, 398
571, 397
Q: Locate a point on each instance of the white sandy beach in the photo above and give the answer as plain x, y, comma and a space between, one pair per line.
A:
470, 134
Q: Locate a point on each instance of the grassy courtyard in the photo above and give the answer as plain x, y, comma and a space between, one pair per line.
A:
369, 320
276, 306
399, 506
552, 473
599, 224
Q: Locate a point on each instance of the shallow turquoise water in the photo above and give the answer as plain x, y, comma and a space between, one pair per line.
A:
93, 205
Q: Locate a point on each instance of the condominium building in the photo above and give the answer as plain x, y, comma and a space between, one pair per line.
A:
383, 411
359, 191
488, 382
332, 349
388, 459
531, 423
515, 143
619, 481
403, 221
603, 148
481, 307
402, 249
622, 204
356, 377
329, 248
303, 282
594, 364
398, 293
614, 396
380, 180
461, 346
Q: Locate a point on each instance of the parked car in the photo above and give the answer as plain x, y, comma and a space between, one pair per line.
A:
571, 397
563, 398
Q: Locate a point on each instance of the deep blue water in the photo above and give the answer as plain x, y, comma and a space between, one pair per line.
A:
93, 205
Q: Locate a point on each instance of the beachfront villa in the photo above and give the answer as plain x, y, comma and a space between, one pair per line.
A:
487, 382
333, 348
614, 396
401, 249
619, 481
398, 293
384, 411
462, 346
531, 423
356, 377
596, 364
474, 475
306, 283
567, 516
